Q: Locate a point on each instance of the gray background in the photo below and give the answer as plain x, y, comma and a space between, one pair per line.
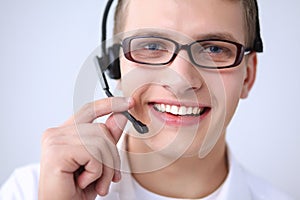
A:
44, 43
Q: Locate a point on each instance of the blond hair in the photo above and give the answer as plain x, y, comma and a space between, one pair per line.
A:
250, 17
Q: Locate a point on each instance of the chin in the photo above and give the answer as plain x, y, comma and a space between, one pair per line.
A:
177, 142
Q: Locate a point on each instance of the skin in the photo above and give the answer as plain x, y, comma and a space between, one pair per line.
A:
208, 173
77, 143
193, 173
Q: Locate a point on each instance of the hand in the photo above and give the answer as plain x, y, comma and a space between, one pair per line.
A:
80, 158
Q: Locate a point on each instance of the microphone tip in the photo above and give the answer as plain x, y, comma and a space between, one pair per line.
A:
140, 127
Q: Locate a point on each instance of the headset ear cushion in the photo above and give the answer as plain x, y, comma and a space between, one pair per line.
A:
113, 68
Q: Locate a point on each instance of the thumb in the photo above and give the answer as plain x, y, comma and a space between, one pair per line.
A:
115, 124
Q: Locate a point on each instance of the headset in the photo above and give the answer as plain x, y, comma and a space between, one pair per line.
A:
109, 61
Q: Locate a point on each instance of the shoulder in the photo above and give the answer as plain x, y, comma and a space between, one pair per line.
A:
263, 190
242, 184
22, 184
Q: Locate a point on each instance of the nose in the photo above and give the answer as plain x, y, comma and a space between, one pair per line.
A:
185, 78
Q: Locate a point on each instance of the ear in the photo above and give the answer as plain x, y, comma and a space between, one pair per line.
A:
251, 64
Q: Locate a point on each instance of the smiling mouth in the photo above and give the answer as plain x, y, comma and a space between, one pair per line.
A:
180, 110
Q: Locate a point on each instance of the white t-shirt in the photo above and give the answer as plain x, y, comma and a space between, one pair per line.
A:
239, 185
142, 193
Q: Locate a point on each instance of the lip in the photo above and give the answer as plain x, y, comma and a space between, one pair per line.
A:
177, 120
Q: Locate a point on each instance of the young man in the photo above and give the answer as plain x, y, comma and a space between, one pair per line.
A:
184, 68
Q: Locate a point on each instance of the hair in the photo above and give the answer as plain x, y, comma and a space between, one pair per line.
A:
250, 17
120, 15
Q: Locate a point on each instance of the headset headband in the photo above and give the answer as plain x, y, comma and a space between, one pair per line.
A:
104, 25
258, 44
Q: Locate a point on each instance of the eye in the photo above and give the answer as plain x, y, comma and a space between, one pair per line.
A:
213, 49
219, 49
153, 46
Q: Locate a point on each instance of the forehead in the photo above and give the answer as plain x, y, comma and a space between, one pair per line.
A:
193, 18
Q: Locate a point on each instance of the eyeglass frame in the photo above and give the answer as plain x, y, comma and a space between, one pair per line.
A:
241, 51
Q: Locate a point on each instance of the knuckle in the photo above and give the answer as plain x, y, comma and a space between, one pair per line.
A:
108, 174
103, 104
89, 109
49, 134
95, 166
106, 133
101, 190
98, 168
117, 158
109, 160
50, 131
104, 183
102, 127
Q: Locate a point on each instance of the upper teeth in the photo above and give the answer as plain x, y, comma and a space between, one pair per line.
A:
178, 110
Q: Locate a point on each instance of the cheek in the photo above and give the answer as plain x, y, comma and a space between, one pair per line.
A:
135, 82
225, 89
125, 66
233, 85
131, 78
134, 76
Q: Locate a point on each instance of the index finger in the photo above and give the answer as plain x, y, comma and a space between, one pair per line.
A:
91, 111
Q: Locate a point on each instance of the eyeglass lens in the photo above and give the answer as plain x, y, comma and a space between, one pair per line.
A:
156, 50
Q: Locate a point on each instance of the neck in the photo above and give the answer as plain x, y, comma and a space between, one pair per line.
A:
185, 177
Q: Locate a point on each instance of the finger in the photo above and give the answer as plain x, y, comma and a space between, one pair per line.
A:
91, 111
90, 191
103, 144
103, 184
117, 176
99, 157
95, 138
111, 167
116, 123
92, 171
109, 153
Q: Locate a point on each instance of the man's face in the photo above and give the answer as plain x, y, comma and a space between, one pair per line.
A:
179, 85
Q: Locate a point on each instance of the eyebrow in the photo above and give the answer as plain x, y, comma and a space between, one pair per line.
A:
206, 36
151, 33
218, 35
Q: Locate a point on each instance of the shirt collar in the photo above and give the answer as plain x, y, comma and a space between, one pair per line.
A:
234, 187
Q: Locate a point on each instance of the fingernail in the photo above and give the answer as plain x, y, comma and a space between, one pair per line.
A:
104, 191
129, 100
117, 175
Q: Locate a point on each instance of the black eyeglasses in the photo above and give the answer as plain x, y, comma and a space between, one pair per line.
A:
212, 53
